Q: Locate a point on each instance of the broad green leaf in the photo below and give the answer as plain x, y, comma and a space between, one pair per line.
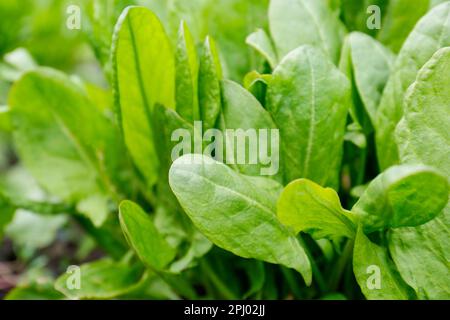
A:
242, 113
402, 196
308, 207
143, 236
144, 75
376, 273
209, 78
398, 21
261, 42
368, 64
297, 22
67, 144
423, 135
102, 279
422, 254
308, 98
429, 35
235, 214
186, 67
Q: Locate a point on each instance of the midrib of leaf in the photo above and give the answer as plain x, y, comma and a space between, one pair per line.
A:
139, 73
88, 159
77, 144
252, 201
311, 131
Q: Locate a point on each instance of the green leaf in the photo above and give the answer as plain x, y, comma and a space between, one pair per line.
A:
308, 207
186, 64
261, 42
143, 237
144, 75
67, 144
376, 273
308, 99
210, 75
423, 135
297, 22
398, 21
429, 35
102, 279
242, 111
368, 64
402, 196
422, 254
235, 214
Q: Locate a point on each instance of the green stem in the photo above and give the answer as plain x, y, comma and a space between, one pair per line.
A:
217, 282
317, 274
292, 282
341, 265
362, 168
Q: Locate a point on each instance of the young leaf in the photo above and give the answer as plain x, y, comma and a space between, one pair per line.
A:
368, 64
241, 110
102, 279
235, 214
421, 254
186, 67
297, 22
210, 75
308, 99
429, 35
144, 74
143, 236
402, 196
261, 42
376, 273
308, 207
